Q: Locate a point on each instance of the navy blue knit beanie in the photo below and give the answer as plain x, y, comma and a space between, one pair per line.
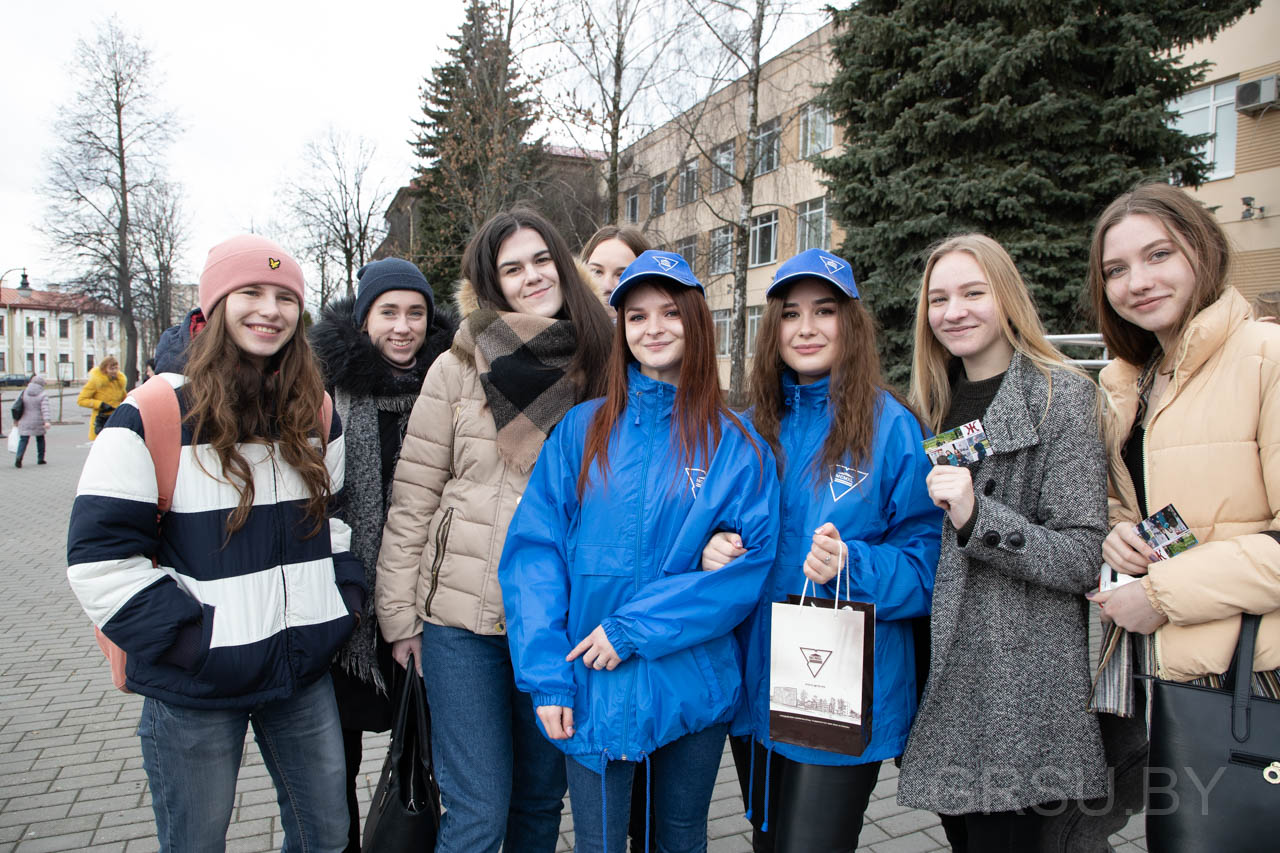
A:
377, 277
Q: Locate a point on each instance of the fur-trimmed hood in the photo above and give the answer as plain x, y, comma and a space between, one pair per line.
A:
352, 363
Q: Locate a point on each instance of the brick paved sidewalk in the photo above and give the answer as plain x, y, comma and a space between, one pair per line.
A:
71, 773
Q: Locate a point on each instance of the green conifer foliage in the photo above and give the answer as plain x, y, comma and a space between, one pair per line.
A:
1021, 120
476, 158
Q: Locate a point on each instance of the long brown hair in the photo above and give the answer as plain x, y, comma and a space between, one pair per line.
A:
855, 383
931, 362
630, 237
699, 403
1198, 236
233, 401
582, 307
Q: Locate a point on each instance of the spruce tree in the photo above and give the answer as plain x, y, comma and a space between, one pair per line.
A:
476, 158
1021, 120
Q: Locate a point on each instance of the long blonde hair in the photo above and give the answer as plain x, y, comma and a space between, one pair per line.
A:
931, 361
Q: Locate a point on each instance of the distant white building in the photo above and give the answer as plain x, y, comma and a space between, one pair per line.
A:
42, 329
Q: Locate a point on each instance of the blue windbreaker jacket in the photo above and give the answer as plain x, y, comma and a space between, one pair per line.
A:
628, 557
893, 531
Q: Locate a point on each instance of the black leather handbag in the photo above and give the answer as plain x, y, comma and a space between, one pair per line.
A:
404, 815
1214, 770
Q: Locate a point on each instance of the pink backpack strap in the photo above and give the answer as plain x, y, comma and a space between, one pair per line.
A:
326, 418
162, 430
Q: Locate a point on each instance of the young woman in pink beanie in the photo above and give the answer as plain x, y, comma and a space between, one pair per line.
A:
230, 608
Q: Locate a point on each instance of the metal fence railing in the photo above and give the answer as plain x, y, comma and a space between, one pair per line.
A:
1092, 340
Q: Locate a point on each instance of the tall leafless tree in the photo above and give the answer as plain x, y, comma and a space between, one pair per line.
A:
338, 203
161, 236
112, 135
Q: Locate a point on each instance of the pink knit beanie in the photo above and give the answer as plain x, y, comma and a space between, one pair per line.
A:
244, 260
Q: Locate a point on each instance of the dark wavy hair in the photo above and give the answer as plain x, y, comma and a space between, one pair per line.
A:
591, 325
234, 401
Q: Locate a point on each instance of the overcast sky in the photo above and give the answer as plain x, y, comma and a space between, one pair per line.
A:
252, 83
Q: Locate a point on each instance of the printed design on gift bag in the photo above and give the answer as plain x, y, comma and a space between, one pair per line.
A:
966, 443
696, 476
821, 696
816, 659
845, 479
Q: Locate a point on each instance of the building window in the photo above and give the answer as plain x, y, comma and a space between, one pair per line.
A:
64, 329
111, 330
658, 196
813, 226
31, 329
31, 363
3, 364
88, 329
1, 325
722, 162
687, 248
64, 358
815, 130
43, 329
721, 257
764, 239
88, 362
687, 191
721, 318
631, 206
44, 363
768, 137
1211, 109
754, 313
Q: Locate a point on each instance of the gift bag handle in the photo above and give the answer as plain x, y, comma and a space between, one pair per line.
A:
841, 569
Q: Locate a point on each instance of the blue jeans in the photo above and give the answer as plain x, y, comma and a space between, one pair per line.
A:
192, 757
683, 777
501, 782
22, 447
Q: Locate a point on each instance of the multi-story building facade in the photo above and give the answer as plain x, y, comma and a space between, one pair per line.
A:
1240, 104
679, 182
60, 335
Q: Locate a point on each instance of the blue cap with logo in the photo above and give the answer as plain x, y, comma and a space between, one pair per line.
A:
816, 263
651, 267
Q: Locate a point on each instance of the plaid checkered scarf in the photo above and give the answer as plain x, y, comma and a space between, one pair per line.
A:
522, 361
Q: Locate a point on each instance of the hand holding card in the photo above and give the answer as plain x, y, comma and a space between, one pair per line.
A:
966, 443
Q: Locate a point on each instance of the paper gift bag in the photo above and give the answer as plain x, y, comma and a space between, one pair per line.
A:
820, 671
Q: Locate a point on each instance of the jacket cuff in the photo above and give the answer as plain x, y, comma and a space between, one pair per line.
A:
1151, 596
564, 700
622, 645
963, 533
353, 598
186, 648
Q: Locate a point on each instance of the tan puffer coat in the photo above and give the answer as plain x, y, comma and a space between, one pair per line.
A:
1213, 451
451, 501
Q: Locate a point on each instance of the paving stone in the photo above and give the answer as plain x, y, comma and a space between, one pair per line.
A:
104, 805
916, 842
125, 831
908, 822
14, 817
54, 844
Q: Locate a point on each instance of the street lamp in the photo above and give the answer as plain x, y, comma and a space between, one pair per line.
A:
25, 285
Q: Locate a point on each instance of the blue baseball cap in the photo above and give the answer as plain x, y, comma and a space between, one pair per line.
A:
816, 263
652, 267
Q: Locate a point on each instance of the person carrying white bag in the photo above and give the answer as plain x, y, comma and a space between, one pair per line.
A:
853, 493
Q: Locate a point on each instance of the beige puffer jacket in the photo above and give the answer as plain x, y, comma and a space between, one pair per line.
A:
451, 501
1213, 451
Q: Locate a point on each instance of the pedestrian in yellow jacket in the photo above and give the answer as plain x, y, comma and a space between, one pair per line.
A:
102, 392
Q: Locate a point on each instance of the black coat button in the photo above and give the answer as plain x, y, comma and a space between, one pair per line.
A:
991, 539
989, 488
1016, 539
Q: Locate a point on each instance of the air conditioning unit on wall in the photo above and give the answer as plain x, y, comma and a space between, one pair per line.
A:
1255, 95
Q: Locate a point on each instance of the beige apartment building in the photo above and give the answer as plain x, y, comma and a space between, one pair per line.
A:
61, 335
1240, 104
676, 183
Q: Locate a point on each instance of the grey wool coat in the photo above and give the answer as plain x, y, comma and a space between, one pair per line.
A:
1004, 723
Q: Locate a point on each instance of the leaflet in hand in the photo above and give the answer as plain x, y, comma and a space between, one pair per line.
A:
1165, 532
965, 443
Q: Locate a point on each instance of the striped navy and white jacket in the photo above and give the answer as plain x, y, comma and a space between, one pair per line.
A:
220, 622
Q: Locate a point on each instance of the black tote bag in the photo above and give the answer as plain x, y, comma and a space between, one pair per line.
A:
404, 816
1214, 770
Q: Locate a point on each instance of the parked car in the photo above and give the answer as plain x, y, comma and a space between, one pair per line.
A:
14, 380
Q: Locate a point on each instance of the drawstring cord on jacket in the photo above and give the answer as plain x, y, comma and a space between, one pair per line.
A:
648, 802
751, 782
751, 776
604, 796
768, 762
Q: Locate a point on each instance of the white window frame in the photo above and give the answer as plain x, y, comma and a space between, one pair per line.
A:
631, 206
768, 146
1220, 151
765, 222
724, 330
806, 213
723, 160
720, 255
754, 315
658, 195
816, 133
687, 189
687, 248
